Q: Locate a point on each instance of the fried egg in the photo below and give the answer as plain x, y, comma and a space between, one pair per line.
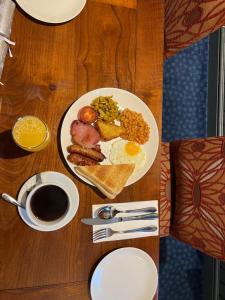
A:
125, 152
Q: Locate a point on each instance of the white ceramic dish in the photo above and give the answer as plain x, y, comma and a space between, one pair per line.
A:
52, 11
50, 177
126, 273
125, 99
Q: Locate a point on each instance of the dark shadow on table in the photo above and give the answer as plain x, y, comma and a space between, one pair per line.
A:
8, 148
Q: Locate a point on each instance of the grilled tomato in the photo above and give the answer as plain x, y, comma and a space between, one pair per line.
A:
87, 115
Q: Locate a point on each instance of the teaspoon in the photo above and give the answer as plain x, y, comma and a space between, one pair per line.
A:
11, 200
109, 212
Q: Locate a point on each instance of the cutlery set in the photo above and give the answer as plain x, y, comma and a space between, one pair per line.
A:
106, 215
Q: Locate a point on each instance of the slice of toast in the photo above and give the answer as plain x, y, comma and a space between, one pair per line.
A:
109, 131
109, 179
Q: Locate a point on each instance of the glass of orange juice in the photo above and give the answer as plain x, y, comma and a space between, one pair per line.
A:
30, 133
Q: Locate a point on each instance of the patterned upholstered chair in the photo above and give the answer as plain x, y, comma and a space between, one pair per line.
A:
192, 204
188, 21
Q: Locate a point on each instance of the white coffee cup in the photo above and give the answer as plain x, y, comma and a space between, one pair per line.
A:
37, 221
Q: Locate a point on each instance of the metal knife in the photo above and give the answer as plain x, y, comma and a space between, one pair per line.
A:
98, 221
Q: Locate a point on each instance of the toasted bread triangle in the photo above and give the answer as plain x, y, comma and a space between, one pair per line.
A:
110, 179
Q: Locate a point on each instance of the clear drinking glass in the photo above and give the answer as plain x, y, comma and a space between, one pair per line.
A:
30, 133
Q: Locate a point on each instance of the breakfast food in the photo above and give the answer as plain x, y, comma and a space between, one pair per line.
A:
91, 153
100, 122
109, 179
136, 129
124, 152
108, 131
81, 160
97, 148
87, 114
107, 108
84, 134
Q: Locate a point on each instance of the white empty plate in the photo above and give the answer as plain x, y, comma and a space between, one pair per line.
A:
52, 11
126, 273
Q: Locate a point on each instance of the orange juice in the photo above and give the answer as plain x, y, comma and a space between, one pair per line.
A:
30, 133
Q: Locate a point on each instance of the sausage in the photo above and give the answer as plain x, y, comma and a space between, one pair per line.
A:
81, 160
91, 153
97, 148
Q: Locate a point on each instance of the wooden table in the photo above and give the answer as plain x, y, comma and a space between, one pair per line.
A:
112, 43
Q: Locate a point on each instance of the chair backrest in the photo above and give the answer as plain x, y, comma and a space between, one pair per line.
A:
198, 198
165, 190
187, 22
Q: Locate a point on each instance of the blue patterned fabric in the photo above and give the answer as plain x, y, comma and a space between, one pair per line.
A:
185, 93
180, 275
184, 116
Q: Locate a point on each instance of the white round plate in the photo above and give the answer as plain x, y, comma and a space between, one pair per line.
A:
126, 273
52, 11
50, 177
125, 99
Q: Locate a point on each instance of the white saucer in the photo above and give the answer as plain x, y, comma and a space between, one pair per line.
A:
49, 177
52, 11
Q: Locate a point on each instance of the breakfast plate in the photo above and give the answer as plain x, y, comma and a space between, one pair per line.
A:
126, 273
124, 99
52, 11
49, 177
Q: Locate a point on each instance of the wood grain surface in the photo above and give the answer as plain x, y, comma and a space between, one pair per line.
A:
69, 291
54, 65
123, 3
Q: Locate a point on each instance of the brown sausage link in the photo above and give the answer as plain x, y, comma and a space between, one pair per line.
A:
90, 153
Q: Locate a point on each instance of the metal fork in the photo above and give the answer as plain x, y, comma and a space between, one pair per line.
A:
107, 232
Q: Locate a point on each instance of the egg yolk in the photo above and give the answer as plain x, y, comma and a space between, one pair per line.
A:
132, 148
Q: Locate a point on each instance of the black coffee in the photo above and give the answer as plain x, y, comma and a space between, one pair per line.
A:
49, 203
